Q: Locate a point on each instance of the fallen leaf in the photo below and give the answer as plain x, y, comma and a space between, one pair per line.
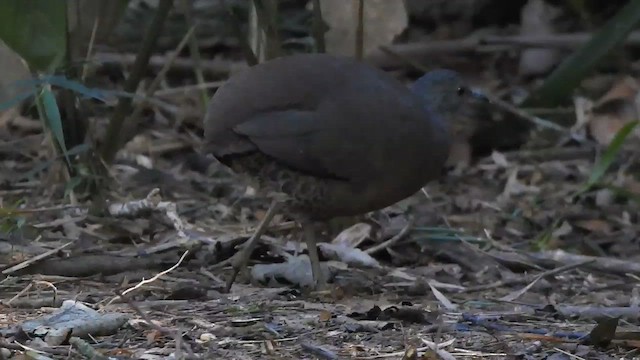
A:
353, 235
614, 110
563, 230
594, 225
324, 316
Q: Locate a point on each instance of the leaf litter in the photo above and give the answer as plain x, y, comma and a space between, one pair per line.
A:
496, 295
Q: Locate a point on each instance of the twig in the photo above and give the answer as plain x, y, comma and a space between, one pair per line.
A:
516, 294
194, 51
157, 276
175, 335
86, 349
359, 38
399, 236
523, 115
216, 67
112, 139
604, 264
133, 118
188, 88
34, 259
318, 27
568, 354
249, 56
403, 58
241, 258
484, 44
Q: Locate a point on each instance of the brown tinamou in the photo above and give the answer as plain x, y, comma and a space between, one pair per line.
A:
331, 136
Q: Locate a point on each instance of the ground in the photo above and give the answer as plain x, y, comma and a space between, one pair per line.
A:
479, 269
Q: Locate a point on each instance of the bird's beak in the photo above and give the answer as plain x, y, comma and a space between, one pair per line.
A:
479, 96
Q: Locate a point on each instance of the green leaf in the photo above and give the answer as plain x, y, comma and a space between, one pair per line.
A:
608, 156
30, 87
36, 30
29, 175
54, 120
559, 85
71, 184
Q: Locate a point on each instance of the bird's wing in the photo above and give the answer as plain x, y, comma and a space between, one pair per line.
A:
297, 139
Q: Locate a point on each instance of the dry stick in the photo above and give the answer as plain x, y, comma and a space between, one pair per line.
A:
523, 115
85, 349
188, 88
387, 244
273, 39
175, 335
34, 259
359, 38
38, 350
264, 32
318, 27
604, 264
516, 294
403, 58
249, 55
551, 154
568, 354
158, 79
194, 50
495, 244
13, 212
552, 40
154, 278
20, 293
85, 67
112, 139
243, 256
378, 57
484, 44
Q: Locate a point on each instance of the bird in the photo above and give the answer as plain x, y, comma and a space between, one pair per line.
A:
329, 136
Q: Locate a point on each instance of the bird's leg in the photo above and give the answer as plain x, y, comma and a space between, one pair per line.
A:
310, 233
241, 258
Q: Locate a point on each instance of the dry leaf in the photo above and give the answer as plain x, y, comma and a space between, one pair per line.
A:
353, 235
153, 336
564, 230
625, 89
615, 109
324, 316
594, 225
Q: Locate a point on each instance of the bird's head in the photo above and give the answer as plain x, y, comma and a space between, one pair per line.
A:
444, 92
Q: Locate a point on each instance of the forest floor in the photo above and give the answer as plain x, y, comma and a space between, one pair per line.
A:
475, 267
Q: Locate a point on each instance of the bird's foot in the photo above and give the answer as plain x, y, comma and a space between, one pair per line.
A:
321, 287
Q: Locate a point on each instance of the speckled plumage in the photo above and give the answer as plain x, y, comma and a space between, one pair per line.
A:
303, 194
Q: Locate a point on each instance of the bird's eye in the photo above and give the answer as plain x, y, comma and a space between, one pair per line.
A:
461, 91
